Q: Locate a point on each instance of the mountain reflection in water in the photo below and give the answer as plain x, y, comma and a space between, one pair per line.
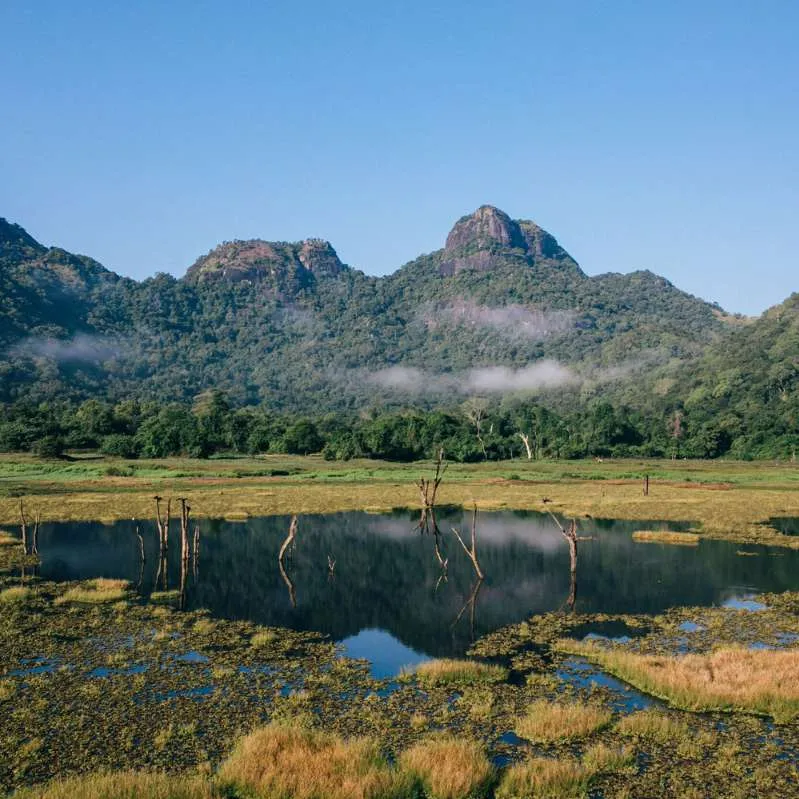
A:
387, 580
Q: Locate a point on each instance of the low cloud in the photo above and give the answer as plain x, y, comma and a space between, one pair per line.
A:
540, 375
82, 348
511, 321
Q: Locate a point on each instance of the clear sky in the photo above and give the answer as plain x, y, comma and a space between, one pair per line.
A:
642, 134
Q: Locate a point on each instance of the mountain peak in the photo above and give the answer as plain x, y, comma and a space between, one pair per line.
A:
485, 227
488, 237
286, 264
14, 239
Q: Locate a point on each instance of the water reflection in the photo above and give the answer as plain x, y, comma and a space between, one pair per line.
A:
359, 574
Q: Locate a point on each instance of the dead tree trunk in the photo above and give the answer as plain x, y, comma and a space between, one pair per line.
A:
471, 551
290, 538
646, 485
185, 510
571, 538
428, 489
196, 552
526, 441
162, 524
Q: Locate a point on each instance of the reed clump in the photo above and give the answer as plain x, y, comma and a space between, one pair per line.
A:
448, 671
7, 539
602, 758
666, 537
449, 768
764, 681
546, 721
288, 761
99, 590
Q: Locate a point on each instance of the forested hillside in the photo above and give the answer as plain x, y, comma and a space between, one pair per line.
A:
502, 308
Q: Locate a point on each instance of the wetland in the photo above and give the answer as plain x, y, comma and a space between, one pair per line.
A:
119, 673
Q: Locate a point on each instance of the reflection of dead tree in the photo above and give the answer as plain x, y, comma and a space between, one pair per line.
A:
33, 549
162, 524
289, 542
142, 559
196, 550
470, 603
471, 551
331, 566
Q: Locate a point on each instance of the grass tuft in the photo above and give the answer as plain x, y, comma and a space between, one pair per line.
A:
283, 761
14, 595
449, 768
122, 785
7, 539
544, 778
96, 591
604, 759
654, 725
448, 671
546, 721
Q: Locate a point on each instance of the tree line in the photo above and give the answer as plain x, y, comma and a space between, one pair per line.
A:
472, 431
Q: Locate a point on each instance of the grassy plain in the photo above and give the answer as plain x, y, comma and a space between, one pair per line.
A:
721, 498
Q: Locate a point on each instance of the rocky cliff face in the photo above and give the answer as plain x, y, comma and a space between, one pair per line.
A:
489, 237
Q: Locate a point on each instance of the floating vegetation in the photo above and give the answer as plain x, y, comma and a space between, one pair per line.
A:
730, 678
446, 671
666, 537
549, 721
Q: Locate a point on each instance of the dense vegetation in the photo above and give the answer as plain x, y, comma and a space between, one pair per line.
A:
472, 431
311, 355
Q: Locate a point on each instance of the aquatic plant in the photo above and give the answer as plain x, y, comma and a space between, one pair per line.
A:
449, 768
15, 594
607, 759
654, 725
547, 721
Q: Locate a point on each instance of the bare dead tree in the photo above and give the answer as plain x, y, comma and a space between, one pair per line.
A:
289, 542
526, 441
289, 538
475, 410
30, 545
162, 524
471, 551
646, 485
572, 539
23, 527
428, 490
185, 510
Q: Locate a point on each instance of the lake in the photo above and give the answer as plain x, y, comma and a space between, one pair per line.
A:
387, 598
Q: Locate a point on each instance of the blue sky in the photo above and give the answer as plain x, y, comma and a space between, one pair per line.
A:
641, 134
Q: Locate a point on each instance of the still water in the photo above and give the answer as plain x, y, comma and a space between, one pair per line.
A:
387, 598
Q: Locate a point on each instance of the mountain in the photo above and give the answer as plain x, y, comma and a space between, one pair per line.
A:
502, 306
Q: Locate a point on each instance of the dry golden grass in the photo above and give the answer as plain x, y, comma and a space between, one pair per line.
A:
462, 672
763, 681
449, 768
655, 725
264, 638
666, 537
99, 590
282, 761
544, 778
17, 593
546, 721
122, 785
